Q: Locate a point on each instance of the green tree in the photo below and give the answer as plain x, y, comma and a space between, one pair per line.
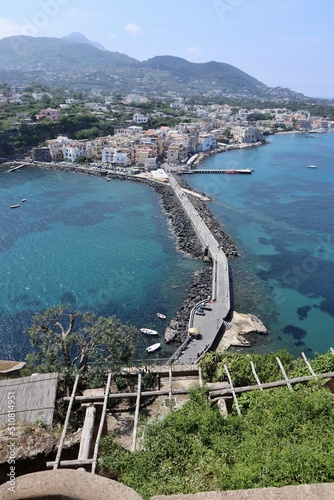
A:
72, 342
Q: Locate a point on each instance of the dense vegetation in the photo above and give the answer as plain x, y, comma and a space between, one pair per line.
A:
281, 438
266, 366
69, 342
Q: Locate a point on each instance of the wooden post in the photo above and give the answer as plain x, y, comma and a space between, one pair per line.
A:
170, 391
200, 376
87, 432
103, 415
284, 373
308, 364
134, 437
256, 376
62, 439
233, 392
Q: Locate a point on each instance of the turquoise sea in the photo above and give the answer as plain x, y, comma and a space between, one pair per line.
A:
106, 246
281, 218
94, 245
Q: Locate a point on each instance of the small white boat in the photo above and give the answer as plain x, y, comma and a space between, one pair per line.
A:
23, 200
149, 332
161, 316
14, 206
311, 166
153, 347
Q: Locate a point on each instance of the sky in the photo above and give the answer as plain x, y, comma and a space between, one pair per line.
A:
285, 43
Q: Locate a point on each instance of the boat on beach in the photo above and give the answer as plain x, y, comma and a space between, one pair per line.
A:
149, 332
153, 347
161, 316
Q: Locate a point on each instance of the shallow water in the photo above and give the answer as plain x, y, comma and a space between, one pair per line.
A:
94, 245
281, 218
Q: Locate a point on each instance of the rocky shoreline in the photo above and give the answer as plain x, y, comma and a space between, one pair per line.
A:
186, 240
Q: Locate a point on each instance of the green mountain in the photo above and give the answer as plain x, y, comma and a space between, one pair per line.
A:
80, 38
54, 54
228, 77
75, 61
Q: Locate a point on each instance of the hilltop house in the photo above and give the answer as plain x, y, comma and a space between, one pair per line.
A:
51, 114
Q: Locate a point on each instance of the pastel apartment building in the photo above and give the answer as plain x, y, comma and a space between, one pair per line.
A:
56, 147
49, 113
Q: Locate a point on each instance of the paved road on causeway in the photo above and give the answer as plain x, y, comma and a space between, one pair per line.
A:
210, 324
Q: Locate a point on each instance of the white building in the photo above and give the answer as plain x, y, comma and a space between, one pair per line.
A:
111, 155
246, 134
71, 152
207, 142
139, 118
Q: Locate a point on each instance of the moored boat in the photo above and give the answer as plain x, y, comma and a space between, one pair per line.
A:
311, 166
161, 316
153, 347
14, 206
149, 332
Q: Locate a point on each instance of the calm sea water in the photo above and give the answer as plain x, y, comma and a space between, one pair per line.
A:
281, 218
95, 245
106, 247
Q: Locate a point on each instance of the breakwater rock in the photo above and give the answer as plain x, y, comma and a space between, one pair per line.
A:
224, 240
200, 289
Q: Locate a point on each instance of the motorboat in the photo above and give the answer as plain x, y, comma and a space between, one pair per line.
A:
149, 332
153, 347
23, 200
14, 206
161, 316
311, 166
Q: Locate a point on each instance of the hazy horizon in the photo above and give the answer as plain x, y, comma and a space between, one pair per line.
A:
285, 44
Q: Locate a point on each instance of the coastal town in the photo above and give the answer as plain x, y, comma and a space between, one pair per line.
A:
166, 250
142, 140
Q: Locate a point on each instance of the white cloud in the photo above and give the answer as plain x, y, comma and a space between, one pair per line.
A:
193, 51
8, 28
132, 29
112, 36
